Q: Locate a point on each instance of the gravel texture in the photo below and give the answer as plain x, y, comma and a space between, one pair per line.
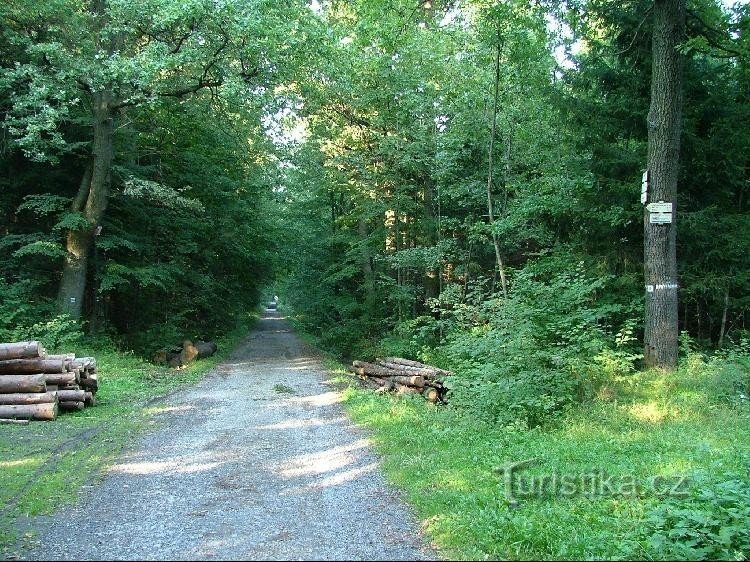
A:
258, 461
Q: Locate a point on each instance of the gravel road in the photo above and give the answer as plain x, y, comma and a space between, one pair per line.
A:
258, 461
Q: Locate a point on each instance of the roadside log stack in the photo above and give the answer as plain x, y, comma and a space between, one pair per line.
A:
36, 386
185, 354
403, 376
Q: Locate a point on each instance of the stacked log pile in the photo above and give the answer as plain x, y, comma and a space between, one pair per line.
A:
185, 354
35, 385
403, 376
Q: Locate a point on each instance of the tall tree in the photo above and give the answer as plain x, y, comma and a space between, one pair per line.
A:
660, 240
104, 56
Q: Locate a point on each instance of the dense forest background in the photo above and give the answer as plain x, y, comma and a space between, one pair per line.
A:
342, 154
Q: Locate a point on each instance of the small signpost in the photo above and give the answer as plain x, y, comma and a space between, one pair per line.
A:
659, 213
660, 207
660, 218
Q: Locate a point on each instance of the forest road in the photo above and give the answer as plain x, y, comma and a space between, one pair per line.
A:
258, 461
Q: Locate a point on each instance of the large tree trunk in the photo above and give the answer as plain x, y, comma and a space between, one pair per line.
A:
660, 253
91, 200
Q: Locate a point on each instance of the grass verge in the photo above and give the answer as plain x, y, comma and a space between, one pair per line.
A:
46, 464
647, 434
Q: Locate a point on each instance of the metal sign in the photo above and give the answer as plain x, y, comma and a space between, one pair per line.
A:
660, 218
660, 207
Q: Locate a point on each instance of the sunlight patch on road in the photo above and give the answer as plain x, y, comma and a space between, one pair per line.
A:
176, 465
297, 424
346, 476
325, 399
324, 461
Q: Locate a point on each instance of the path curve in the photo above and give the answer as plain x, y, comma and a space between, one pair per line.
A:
241, 468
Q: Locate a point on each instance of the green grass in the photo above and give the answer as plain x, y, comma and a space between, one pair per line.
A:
45, 464
283, 389
649, 425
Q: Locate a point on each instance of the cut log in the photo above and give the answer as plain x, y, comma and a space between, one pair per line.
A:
22, 350
71, 395
61, 379
71, 406
427, 372
410, 363
372, 370
31, 366
14, 422
84, 363
403, 389
397, 366
382, 383
368, 369
89, 399
407, 362
47, 411
91, 382
415, 381
189, 352
431, 395
28, 398
206, 348
22, 383
63, 356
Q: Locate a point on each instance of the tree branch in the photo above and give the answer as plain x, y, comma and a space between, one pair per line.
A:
713, 36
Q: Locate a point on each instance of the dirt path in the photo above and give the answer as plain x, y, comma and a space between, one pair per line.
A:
258, 461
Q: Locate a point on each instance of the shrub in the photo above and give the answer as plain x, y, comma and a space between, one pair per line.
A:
520, 361
714, 524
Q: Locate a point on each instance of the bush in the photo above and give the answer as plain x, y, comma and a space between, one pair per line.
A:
528, 357
20, 310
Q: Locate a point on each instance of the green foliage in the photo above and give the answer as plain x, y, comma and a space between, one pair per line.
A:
59, 333
71, 221
519, 362
713, 524
44, 204
45, 248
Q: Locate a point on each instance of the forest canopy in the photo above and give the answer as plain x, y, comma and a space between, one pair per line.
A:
449, 178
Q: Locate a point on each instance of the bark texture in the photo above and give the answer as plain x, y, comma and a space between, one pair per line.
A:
91, 201
660, 250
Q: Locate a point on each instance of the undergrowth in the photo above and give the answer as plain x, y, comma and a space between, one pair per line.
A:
662, 433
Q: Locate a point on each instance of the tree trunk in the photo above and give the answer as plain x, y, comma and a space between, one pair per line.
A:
722, 332
495, 241
366, 261
660, 253
91, 200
